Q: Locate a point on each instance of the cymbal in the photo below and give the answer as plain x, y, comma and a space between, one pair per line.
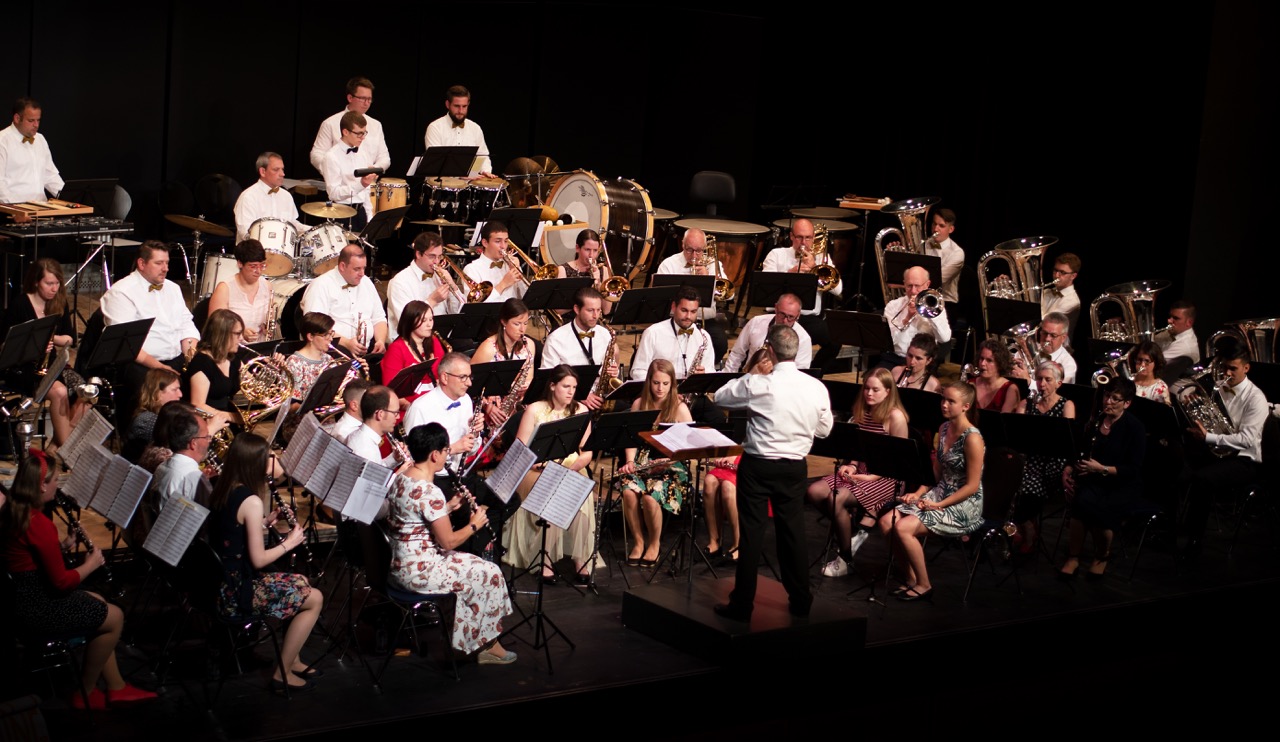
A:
196, 224
442, 222
522, 166
326, 210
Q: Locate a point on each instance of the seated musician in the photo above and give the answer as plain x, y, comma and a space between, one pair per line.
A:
350, 298
994, 390
161, 386
424, 556
692, 261
187, 435
350, 421
44, 294
160, 448
786, 311
379, 411
266, 198
720, 495
523, 538
425, 279
509, 343
878, 410
307, 363
247, 292
1053, 341
651, 486
449, 405
212, 378
416, 343
340, 163
586, 264
584, 341
1042, 476
917, 371
799, 258
905, 321
677, 340
944, 225
1178, 341
1147, 362
504, 275
1062, 297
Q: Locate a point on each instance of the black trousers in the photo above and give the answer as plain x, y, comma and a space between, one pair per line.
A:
782, 483
1223, 476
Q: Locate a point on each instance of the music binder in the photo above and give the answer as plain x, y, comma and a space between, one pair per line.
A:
175, 528
558, 495
516, 463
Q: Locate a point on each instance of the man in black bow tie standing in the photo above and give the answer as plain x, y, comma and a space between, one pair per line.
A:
340, 164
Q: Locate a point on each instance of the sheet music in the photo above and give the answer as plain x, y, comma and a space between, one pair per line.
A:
344, 481
369, 492
109, 485
514, 465
310, 457
92, 429
82, 485
332, 457
413, 166
307, 429
684, 436
131, 492
558, 494
174, 530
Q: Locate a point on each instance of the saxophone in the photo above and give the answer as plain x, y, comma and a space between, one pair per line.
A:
607, 384
697, 361
508, 404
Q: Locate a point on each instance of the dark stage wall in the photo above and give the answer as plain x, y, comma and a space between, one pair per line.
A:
1141, 141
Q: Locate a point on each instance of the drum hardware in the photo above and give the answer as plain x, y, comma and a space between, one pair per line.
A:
1136, 323
441, 222
389, 193
328, 210
1023, 258
485, 195
447, 197
912, 214
324, 242
477, 293
199, 225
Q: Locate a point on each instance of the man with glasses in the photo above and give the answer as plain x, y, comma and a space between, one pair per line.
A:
905, 322
266, 198
454, 129
340, 164
785, 313
1062, 297
180, 475
1053, 343
421, 280
449, 405
799, 258
379, 410
691, 261
359, 98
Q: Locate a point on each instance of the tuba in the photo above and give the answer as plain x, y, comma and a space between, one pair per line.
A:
266, 385
1256, 335
912, 213
1137, 303
1023, 260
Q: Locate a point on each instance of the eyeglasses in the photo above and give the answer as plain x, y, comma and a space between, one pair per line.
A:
365, 98
362, 134
458, 376
1052, 335
786, 317
1057, 272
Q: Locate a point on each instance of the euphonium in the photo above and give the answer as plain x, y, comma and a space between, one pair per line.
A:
1198, 404
912, 213
1115, 364
1023, 260
264, 381
476, 292
1026, 349
1257, 335
1137, 301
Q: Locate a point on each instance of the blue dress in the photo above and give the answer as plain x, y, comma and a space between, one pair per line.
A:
964, 516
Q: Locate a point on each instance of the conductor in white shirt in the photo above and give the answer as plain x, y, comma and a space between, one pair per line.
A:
786, 409
359, 98
266, 199
454, 129
26, 164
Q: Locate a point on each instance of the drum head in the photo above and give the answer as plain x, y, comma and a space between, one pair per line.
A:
619, 210
278, 264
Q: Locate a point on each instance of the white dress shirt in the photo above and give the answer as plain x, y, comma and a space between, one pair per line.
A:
258, 202
442, 133
340, 183
787, 408
179, 476
660, 340
331, 133
131, 299
1248, 409
902, 334
752, 339
1062, 357
26, 168
360, 303
564, 346
411, 284
482, 269
436, 407
1185, 345
345, 426
783, 260
366, 443
676, 266
1065, 301
952, 263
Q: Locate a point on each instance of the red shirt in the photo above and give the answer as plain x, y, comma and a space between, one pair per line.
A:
40, 549
399, 357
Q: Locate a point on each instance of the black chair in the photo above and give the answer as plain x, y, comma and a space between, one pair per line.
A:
200, 313
40, 652
1001, 479
712, 189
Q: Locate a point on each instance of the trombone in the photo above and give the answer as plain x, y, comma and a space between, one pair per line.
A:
540, 273
476, 292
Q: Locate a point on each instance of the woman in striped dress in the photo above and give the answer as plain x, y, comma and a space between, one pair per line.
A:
879, 410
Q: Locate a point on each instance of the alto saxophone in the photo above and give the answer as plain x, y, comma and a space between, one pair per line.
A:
697, 361
606, 384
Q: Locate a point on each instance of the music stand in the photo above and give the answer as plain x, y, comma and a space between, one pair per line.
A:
767, 286
704, 285
708, 383
625, 394
554, 294
495, 378
897, 262
924, 409
119, 343
860, 329
1005, 313
472, 322
99, 193
644, 306
26, 342
522, 226
1083, 396
408, 379
446, 162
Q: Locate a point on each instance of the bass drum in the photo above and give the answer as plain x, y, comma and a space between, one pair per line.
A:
286, 297
620, 210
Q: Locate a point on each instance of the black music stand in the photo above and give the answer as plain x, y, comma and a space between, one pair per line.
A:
862, 330
408, 379
612, 432
767, 286
325, 390
586, 381
26, 342
842, 395
1037, 435
522, 225
704, 285
495, 378
119, 343
708, 383
98, 193
897, 262
554, 294
446, 324
1003, 314
446, 162
474, 320
1083, 396
644, 306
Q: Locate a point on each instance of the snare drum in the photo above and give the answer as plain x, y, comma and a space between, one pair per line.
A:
391, 193
281, 290
619, 210
217, 268
447, 199
484, 195
279, 239
324, 242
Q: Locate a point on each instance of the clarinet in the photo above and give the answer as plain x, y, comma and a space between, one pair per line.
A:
290, 518
69, 508
468, 505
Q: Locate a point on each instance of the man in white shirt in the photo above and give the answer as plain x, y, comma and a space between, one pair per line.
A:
1063, 298
454, 129
490, 266
449, 405
942, 246
424, 279
1052, 337
786, 409
785, 313
677, 339
340, 164
266, 199
799, 258
145, 294
582, 342
379, 410
1179, 344
359, 98
180, 475
690, 261
26, 164
350, 298
905, 320
350, 420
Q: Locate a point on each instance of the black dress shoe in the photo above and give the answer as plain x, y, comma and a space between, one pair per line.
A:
549, 580
733, 612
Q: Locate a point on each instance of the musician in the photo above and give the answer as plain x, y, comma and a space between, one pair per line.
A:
678, 340
720, 494
350, 421
991, 385
425, 557
266, 198
584, 341
1147, 363
944, 225
188, 438
379, 411
339, 166
449, 405
307, 363
510, 343
350, 298
417, 344
523, 539
46, 599
1042, 476
1179, 344
917, 371
786, 312
1247, 409
690, 261
161, 386
905, 321
212, 377
786, 409
454, 129
1062, 297
799, 258
586, 264
359, 98
425, 279
490, 266
1053, 332
247, 292
26, 164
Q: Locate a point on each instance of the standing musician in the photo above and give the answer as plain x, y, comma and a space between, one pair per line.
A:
509, 343
339, 166
916, 372
679, 340
449, 405
799, 258
379, 410
944, 224
307, 363
490, 266
586, 264
212, 378
266, 198
188, 439
786, 311
905, 322
350, 298
584, 341
454, 129
692, 261
1063, 297
786, 409
246, 292
417, 344
425, 279
26, 164
359, 98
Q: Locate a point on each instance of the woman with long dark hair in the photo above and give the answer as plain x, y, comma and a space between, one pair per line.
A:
416, 343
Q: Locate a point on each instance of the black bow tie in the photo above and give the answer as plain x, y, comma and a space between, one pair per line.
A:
352, 149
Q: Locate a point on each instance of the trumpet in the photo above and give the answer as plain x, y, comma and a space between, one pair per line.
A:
476, 292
